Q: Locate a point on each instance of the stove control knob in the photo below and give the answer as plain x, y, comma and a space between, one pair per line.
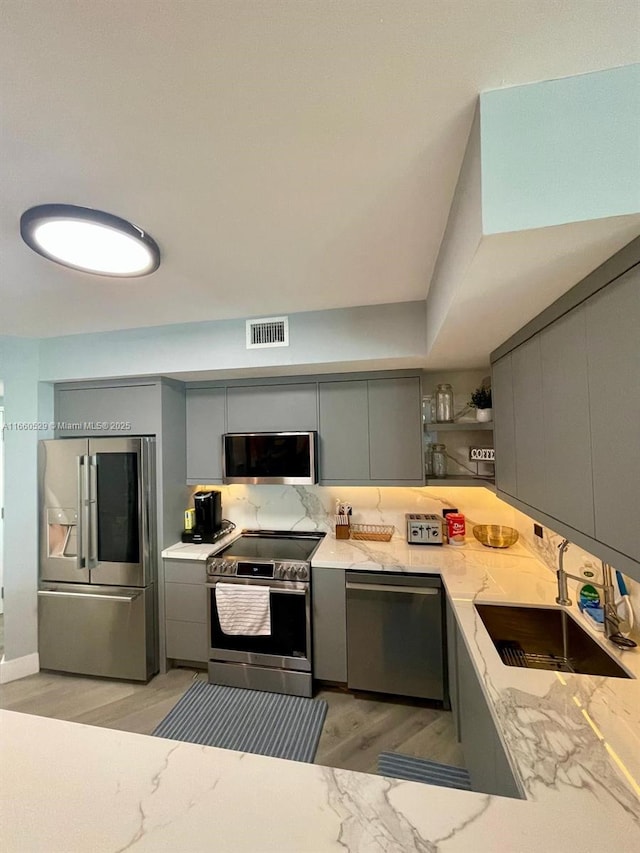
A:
222, 568
302, 573
291, 572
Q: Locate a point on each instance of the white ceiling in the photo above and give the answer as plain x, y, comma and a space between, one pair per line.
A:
287, 156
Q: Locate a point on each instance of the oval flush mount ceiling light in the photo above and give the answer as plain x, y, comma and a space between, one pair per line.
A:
89, 240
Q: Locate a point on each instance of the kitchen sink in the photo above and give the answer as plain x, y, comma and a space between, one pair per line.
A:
545, 638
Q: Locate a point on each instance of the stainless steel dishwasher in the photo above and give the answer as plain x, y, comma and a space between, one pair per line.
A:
395, 641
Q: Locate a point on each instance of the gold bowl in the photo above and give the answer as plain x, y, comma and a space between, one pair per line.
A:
495, 535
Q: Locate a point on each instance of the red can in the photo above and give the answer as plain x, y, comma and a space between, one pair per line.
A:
456, 528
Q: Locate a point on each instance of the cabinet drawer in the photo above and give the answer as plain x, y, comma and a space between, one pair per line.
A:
187, 641
185, 571
185, 602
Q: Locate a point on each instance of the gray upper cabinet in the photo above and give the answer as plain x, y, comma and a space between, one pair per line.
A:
568, 491
344, 430
575, 409
118, 410
395, 430
527, 415
613, 345
504, 427
369, 430
272, 408
205, 428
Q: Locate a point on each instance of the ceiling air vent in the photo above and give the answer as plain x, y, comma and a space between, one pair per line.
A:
268, 332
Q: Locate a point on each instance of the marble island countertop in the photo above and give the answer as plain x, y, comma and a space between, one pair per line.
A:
573, 741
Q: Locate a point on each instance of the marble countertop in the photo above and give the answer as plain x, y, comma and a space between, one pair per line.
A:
574, 742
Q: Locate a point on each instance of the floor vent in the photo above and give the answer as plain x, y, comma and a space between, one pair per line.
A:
268, 332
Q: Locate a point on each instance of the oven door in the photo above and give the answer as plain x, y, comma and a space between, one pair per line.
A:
289, 644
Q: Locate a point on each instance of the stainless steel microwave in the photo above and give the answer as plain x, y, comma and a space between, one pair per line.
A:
276, 458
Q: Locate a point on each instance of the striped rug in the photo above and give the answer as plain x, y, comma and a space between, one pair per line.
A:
247, 720
422, 770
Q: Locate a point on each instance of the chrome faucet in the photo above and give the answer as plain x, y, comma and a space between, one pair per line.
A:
611, 620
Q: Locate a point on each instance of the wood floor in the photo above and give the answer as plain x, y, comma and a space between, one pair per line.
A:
356, 729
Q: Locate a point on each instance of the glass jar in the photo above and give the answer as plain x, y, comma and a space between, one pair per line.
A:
439, 456
427, 409
444, 404
428, 460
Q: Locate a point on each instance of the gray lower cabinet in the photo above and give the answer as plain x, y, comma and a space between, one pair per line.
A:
272, 408
206, 419
119, 410
186, 610
329, 650
452, 667
484, 754
613, 346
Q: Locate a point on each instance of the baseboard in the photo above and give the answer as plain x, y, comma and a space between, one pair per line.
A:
12, 670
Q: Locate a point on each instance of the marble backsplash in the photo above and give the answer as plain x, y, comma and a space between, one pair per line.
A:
313, 507
546, 550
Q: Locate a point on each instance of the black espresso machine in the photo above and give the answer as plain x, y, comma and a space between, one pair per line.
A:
208, 518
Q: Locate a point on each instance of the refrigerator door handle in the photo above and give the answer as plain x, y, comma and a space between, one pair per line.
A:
92, 481
96, 595
146, 486
82, 526
80, 514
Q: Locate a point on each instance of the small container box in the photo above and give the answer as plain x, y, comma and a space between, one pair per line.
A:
456, 528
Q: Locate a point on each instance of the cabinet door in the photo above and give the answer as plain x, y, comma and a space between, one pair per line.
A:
484, 754
504, 426
329, 625
102, 411
613, 346
187, 641
452, 667
185, 602
344, 431
528, 415
477, 732
567, 435
395, 430
272, 408
205, 428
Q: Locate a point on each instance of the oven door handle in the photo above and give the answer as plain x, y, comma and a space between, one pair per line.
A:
279, 589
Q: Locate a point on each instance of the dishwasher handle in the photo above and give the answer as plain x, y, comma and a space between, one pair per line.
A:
384, 587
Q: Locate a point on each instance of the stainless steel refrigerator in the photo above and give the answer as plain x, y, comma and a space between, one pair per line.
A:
97, 597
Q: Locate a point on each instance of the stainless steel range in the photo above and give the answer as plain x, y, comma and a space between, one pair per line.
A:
275, 653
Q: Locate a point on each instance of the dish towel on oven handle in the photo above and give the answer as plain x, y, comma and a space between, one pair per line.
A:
243, 609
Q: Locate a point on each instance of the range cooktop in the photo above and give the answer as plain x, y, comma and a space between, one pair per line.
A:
272, 545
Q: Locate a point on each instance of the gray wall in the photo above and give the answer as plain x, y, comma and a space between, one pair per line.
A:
389, 335
24, 403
